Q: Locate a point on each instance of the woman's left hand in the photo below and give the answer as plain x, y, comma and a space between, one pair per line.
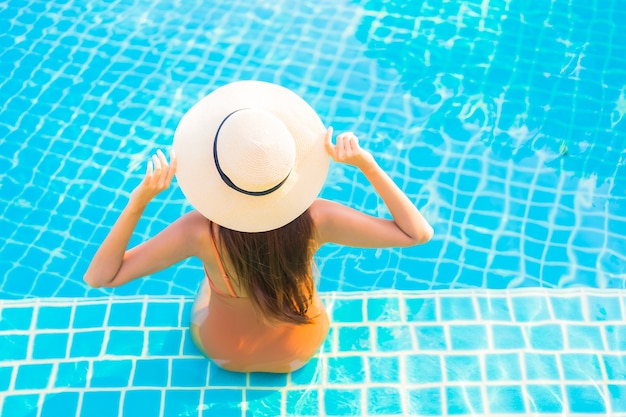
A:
159, 174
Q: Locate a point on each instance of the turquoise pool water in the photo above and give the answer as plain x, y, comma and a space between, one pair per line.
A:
503, 120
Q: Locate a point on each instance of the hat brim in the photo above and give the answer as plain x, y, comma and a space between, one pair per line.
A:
204, 188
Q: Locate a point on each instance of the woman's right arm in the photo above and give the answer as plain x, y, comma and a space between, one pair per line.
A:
340, 224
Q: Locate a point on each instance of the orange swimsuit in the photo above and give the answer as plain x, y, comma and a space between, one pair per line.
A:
228, 329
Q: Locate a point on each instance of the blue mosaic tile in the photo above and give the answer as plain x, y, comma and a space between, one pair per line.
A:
586, 337
580, 367
302, 403
162, 315
307, 375
72, 374
384, 369
347, 311
540, 366
425, 402
530, 309
186, 312
503, 367
617, 398
430, 337
506, 399
89, 316
377, 383
57, 317
189, 372
33, 376
87, 344
423, 369
494, 308
165, 342
125, 342
545, 398
125, 315
264, 402
5, 377
13, 347
383, 309
180, 402
464, 368
615, 337
346, 370
507, 337
19, 279
354, 339
384, 401
567, 308
585, 399
330, 344
421, 309
151, 373
393, 338
142, 403
545, 336
222, 402
100, 403
219, 377
111, 373
25, 405
463, 400
615, 366
12, 318
604, 308
342, 402
457, 308
272, 380
59, 403
468, 337
50, 345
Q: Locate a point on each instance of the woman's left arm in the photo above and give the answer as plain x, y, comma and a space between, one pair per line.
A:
113, 264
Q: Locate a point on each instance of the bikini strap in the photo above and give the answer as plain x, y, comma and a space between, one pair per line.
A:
221, 266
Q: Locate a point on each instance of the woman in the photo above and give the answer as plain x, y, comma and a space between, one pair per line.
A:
251, 157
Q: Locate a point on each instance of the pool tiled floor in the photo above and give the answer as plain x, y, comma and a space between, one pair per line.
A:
481, 352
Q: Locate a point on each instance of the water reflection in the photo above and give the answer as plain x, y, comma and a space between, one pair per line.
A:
516, 110
529, 78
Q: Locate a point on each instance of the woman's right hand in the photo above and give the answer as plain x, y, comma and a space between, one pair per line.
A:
159, 174
347, 150
340, 224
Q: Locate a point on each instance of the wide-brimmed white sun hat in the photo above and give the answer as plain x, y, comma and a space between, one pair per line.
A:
251, 156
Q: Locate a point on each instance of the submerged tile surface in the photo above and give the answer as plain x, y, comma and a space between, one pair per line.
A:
387, 354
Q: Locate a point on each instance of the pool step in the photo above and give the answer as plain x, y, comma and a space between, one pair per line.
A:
456, 352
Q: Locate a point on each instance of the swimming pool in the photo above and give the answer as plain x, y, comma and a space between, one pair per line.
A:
502, 119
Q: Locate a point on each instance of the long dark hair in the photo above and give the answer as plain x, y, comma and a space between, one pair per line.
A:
274, 268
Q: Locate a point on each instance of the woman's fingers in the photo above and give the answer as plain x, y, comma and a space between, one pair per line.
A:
347, 144
340, 147
173, 166
160, 172
162, 158
354, 143
328, 143
346, 147
164, 170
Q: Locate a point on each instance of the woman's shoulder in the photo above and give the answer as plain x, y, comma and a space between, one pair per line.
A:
324, 214
319, 210
323, 210
196, 225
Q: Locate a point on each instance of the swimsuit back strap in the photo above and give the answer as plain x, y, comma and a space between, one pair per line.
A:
221, 266
213, 287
